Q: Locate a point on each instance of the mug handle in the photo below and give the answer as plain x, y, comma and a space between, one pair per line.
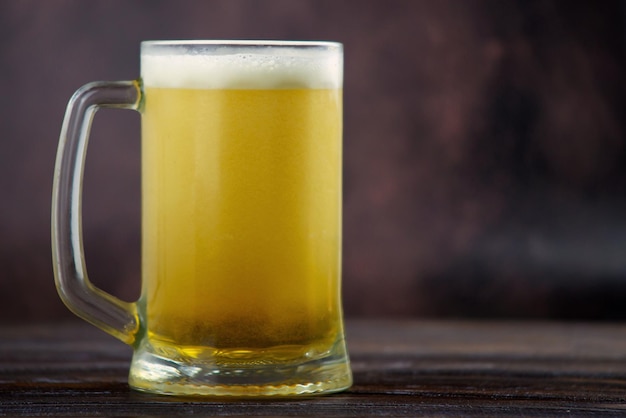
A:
94, 305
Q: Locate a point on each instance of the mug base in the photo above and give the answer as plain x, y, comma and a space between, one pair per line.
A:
154, 373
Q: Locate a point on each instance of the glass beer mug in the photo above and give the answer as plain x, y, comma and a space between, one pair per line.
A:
241, 218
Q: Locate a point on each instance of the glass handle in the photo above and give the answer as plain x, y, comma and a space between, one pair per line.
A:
105, 311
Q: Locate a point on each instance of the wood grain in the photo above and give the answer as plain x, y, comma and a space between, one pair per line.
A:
408, 368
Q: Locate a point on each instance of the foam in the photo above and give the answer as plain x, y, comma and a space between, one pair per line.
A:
242, 66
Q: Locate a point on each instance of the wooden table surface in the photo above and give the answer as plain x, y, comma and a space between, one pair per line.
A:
401, 368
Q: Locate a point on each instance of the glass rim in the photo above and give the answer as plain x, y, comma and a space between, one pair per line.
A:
248, 43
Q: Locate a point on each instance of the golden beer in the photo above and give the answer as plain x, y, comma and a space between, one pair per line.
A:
241, 221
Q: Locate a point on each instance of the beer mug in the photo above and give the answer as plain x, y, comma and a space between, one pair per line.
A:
241, 218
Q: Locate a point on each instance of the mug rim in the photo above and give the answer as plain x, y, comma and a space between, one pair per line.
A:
242, 42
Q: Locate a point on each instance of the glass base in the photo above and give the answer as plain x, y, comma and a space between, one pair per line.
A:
152, 371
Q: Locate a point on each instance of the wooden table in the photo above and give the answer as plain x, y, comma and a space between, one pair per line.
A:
434, 368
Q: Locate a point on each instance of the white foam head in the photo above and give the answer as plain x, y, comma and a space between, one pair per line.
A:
241, 64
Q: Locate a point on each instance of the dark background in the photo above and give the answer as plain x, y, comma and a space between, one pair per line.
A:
485, 147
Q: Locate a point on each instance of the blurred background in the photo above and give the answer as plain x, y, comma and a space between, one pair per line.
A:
485, 147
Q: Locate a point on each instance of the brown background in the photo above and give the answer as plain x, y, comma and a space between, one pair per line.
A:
485, 147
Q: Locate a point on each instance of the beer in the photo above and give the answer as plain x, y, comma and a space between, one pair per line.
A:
241, 201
